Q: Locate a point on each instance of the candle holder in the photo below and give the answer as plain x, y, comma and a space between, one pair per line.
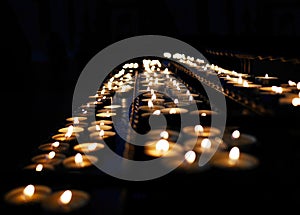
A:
203, 131
39, 167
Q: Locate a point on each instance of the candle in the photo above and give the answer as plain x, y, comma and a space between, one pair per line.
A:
76, 121
236, 138
64, 137
39, 167
99, 127
79, 161
75, 129
161, 147
50, 158
66, 201
102, 122
100, 135
150, 107
174, 110
275, 89
30, 194
267, 80
106, 114
201, 131
234, 160
88, 147
55, 146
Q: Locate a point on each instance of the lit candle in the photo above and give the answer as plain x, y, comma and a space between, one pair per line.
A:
99, 127
267, 80
234, 160
50, 158
79, 161
39, 167
88, 147
55, 146
201, 131
160, 148
106, 114
30, 194
174, 110
66, 201
100, 135
236, 138
70, 129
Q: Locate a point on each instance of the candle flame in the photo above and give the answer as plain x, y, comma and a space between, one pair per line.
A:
66, 197
92, 146
236, 134
76, 120
292, 83
296, 101
190, 156
55, 144
298, 85
164, 134
266, 76
175, 101
150, 104
234, 154
101, 133
98, 128
206, 143
240, 80
153, 97
172, 111
29, 190
245, 84
78, 158
39, 167
156, 112
51, 155
198, 129
203, 114
162, 145
70, 131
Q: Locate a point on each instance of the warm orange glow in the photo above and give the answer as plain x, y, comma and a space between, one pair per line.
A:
198, 129
162, 145
164, 134
190, 156
29, 190
234, 154
206, 143
39, 167
66, 197
55, 144
51, 155
78, 158
236, 134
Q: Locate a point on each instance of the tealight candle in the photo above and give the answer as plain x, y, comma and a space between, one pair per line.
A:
30, 194
75, 129
267, 80
79, 161
106, 114
234, 160
39, 167
174, 110
50, 158
161, 147
66, 201
201, 131
100, 135
102, 122
88, 147
55, 146
99, 127
236, 138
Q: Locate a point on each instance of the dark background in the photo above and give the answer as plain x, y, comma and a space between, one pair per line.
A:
45, 45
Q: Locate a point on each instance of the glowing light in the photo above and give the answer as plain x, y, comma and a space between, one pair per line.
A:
51, 155
206, 143
55, 144
162, 145
92, 146
198, 129
190, 156
164, 134
234, 154
236, 134
78, 158
172, 111
156, 112
39, 167
29, 190
66, 197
